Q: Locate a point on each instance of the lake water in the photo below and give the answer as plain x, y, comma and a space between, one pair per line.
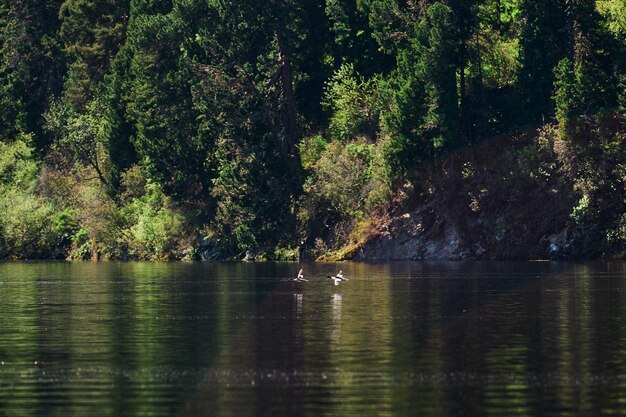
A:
233, 339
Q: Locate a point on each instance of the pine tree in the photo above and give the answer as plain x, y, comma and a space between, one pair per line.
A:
542, 45
31, 67
92, 33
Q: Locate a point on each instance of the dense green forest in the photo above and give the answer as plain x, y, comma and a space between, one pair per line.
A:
205, 129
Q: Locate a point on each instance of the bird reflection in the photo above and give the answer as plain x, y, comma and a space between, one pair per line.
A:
298, 305
337, 306
336, 330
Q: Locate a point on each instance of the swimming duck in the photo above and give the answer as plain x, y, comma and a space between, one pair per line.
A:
341, 277
300, 277
337, 280
337, 277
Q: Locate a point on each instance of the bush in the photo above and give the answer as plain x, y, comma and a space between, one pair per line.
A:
65, 226
26, 226
311, 149
99, 216
143, 223
341, 178
81, 245
17, 168
593, 156
286, 254
153, 228
346, 183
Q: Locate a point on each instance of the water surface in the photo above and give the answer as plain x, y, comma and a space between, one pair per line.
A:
232, 339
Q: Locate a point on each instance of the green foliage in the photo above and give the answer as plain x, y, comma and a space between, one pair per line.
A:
499, 64
91, 32
27, 230
99, 216
29, 227
341, 177
347, 184
18, 168
616, 237
401, 119
286, 254
436, 47
154, 227
126, 122
82, 245
352, 100
592, 154
543, 43
346, 179
65, 224
567, 92
30, 67
392, 21
615, 13
81, 136
144, 224
250, 214
160, 104
354, 37
420, 118
311, 149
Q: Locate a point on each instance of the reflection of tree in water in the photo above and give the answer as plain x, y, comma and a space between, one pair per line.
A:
260, 360
527, 339
521, 340
361, 343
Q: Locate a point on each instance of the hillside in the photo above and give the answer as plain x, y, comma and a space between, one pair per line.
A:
530, 196
282, 129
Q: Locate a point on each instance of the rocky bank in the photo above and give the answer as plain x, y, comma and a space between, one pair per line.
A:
529, 196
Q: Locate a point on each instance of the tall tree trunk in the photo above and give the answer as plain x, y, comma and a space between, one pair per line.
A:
464, 131
571, 31
290, 150
498, 15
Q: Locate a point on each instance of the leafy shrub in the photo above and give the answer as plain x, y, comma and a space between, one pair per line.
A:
286, 254
26, 226
99, 216
593, 156
346, 183
17, 167
615, 13
133, 183
65, 226
341, 175
311, 149
81, 245
153, 227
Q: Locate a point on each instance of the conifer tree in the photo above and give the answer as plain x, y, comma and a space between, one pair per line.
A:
542, 45
31, 67
92, 33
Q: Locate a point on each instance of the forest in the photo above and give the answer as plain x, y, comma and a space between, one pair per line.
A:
283, 129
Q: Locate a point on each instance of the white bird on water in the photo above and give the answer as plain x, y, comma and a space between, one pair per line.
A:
300, 277
341, 277
337, 278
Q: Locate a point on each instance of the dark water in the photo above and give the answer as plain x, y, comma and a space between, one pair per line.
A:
404, 339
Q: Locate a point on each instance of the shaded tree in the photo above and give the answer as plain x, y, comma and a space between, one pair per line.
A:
31, 67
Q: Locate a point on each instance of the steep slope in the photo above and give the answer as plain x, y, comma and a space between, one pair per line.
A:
529, 196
